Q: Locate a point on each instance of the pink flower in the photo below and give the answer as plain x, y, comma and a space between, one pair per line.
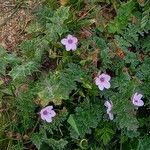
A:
102, 81
70, 42
109, 109
136, 100
47, 113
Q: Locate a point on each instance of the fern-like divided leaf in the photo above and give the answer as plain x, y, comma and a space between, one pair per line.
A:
3, 62
33, 50
129, 37
56, 144
37, 139
59, 85
26, 107
144, 144
6, 59
21, 71
104, 133
123, 107
104, 51
143, 70
56, 24
86, 117
40, 139
124, 13
146, 44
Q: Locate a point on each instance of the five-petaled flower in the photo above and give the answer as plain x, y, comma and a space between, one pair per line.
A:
47, 113
136, 99
103, 81
109, 105
70, 42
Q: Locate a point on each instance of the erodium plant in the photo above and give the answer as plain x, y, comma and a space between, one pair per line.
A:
80, 79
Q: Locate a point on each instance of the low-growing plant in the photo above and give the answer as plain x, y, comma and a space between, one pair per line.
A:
81, 80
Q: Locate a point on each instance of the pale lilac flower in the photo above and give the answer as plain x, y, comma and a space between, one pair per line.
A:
103, 81
108, 104
70, 42
47, 113
136, 99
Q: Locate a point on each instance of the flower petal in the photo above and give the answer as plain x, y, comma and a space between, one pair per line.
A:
111, 116
108, 110
42, 116
139, 103
74, 47
52, 113
68, 47
139, 96
107, 85
101, 87
107, 104
75, 40
69, 36
64, 41
107, 77
48, 108
48, 119
135, 95
42, 110
97, 81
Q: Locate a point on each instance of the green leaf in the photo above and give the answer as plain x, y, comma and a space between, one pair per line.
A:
146, 44
17, 146
40, 138
61, 14
37, 139
124, 13
34, 27
3, 62
57, 86
21, 71
12, 59
104, 52
143, 70
145, 17
144, 144
6, 59
56, 144
26, 107
53, 30
86, 117
105, 134
124, 109
132, 58
33, 50
73, 124
2, 51
57, 25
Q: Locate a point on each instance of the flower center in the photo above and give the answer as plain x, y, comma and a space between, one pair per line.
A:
102, 79
45, 112
135, 100
70, 41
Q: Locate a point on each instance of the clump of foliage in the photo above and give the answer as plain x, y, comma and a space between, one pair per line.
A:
113, 38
